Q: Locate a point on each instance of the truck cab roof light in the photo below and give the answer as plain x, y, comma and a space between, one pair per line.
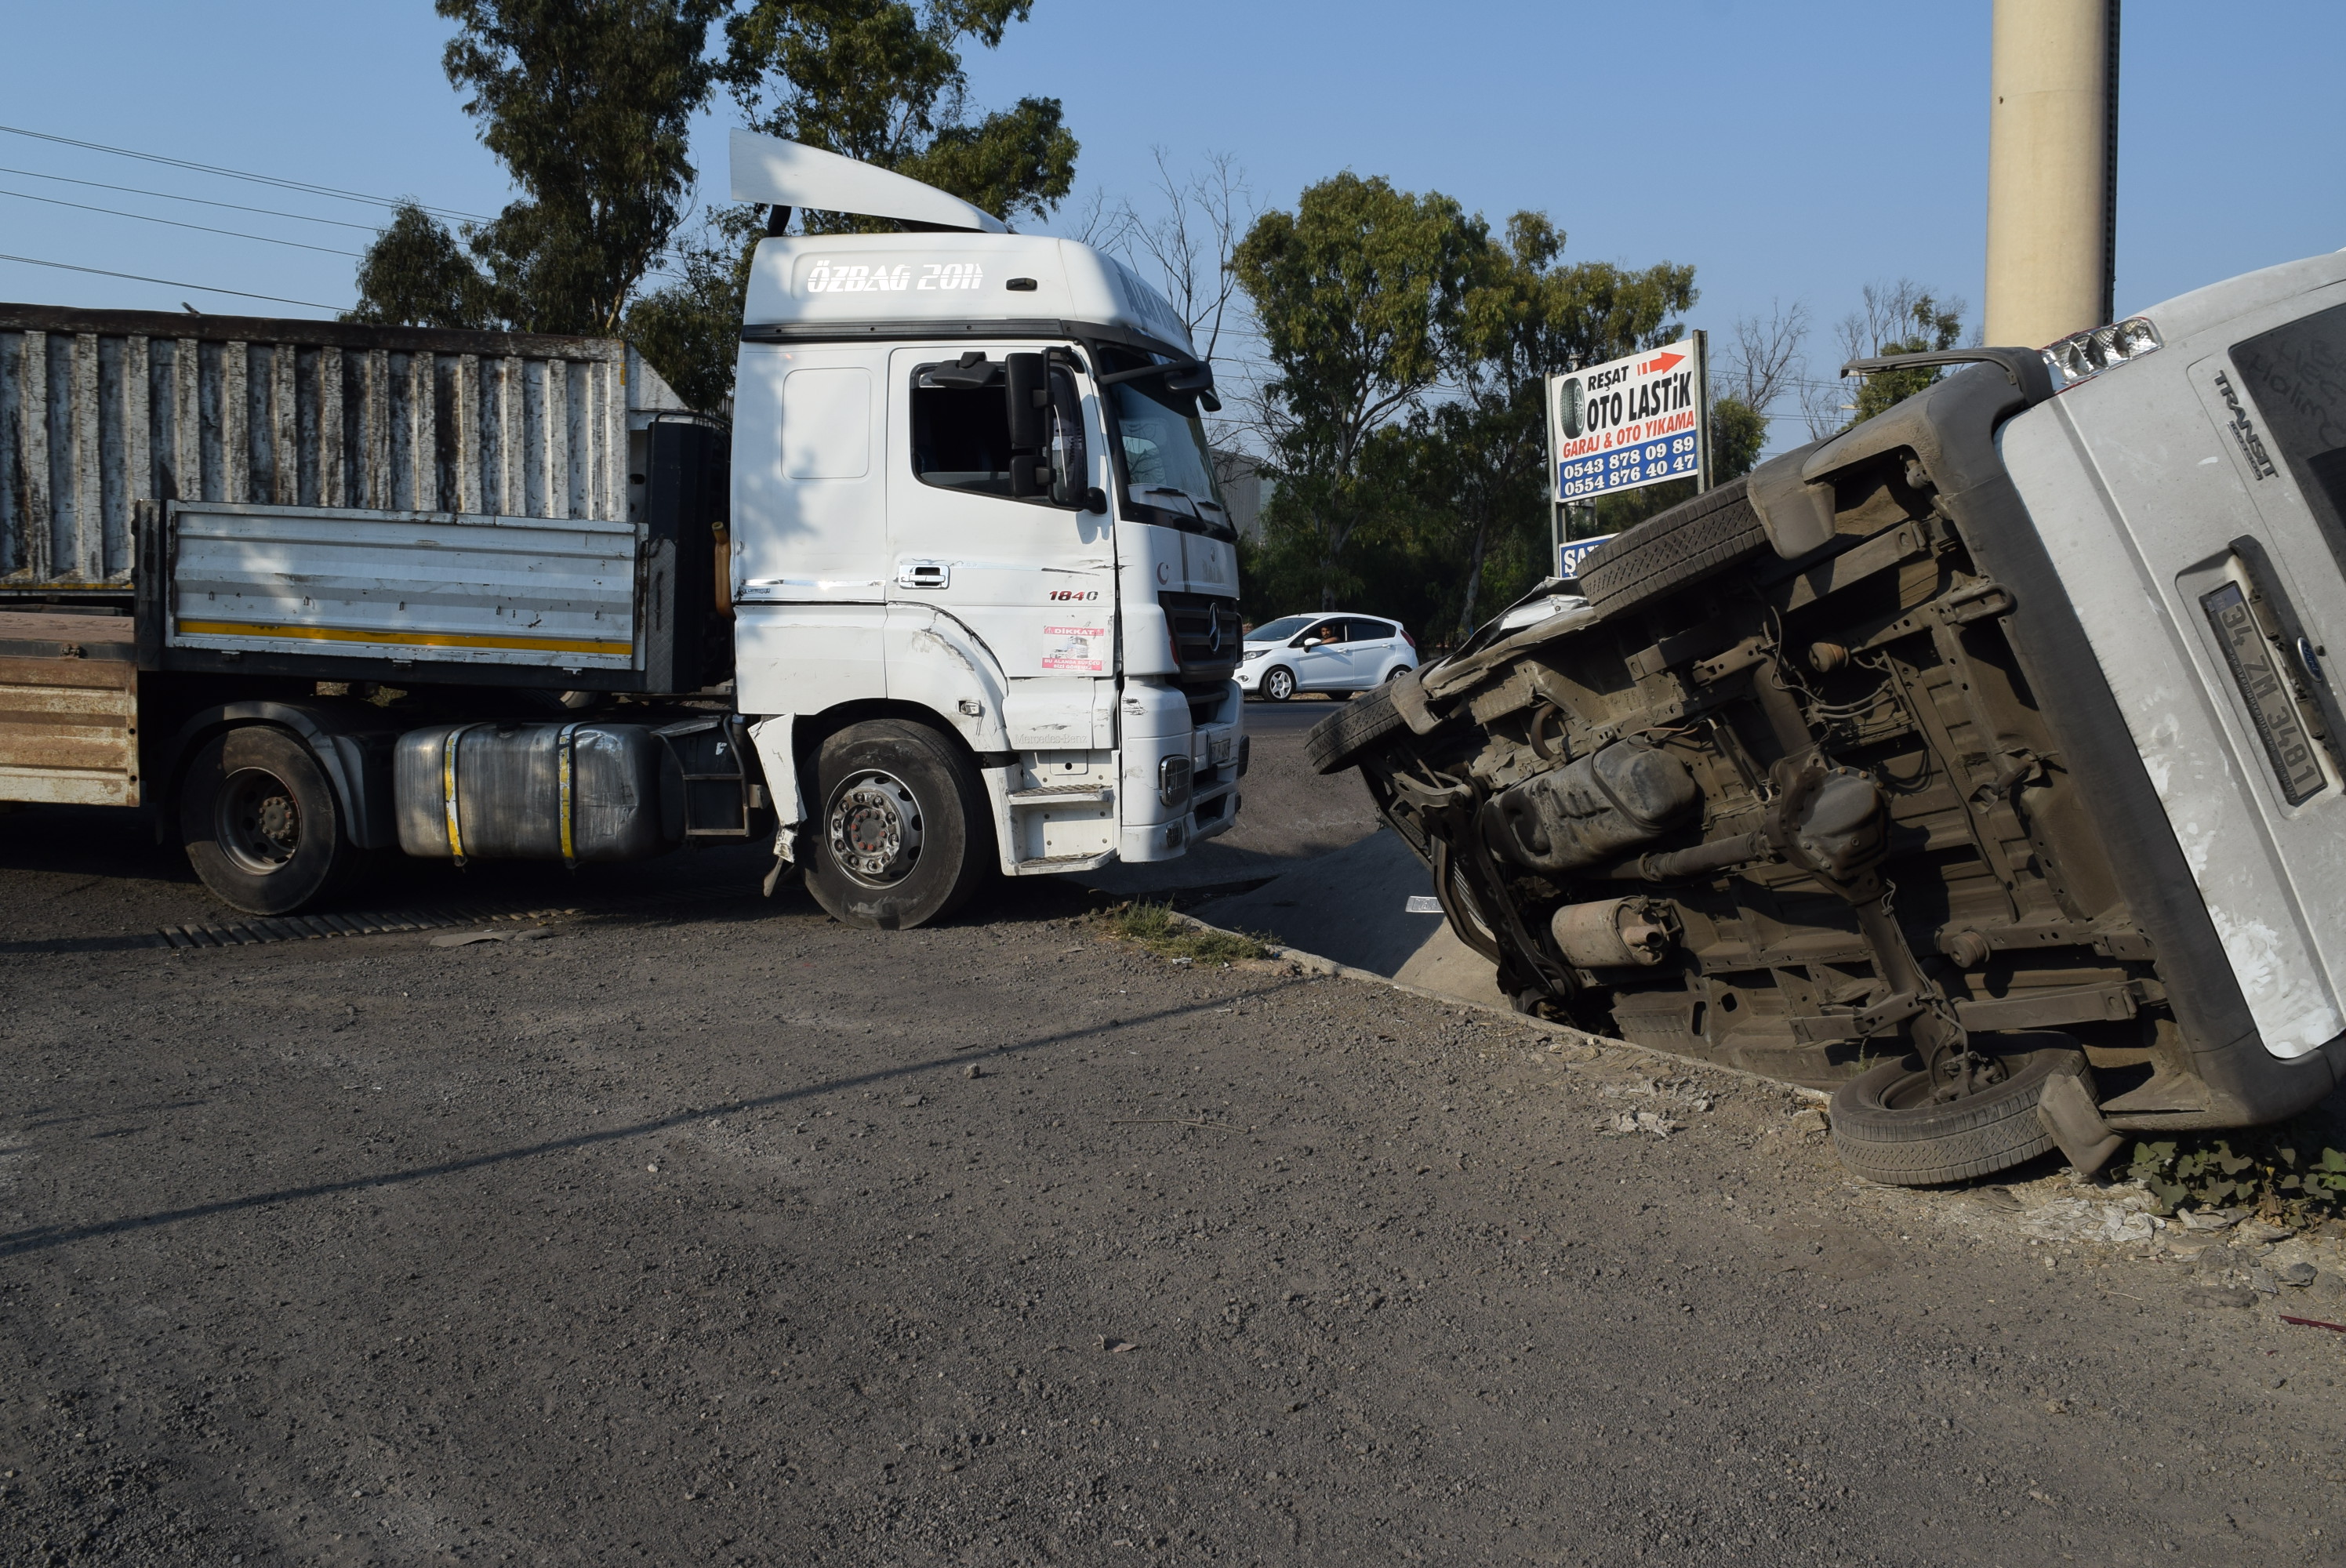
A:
2081, 356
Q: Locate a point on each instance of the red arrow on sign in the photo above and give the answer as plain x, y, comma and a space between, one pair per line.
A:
1661, 363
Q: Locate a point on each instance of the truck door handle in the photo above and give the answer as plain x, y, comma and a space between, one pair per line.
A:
924, 574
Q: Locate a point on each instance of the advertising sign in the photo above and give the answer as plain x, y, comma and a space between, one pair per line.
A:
1569, 556
1628, 422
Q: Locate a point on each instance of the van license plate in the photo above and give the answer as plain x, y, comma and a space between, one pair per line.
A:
2270, 702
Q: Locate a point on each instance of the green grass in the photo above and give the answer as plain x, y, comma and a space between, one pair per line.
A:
1154, 928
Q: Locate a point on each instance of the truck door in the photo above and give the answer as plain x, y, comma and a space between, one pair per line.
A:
808, 558
1031, 577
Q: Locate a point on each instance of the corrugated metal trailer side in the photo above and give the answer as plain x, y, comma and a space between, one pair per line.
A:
106, 415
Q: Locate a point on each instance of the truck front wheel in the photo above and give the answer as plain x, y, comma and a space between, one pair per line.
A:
904, 836
261, 822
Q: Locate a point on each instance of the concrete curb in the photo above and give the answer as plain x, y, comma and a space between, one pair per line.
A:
1311, 962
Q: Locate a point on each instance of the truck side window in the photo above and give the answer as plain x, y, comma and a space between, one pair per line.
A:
961, 437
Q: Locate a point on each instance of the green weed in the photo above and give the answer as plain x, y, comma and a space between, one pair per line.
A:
1154, 928
2289, 1171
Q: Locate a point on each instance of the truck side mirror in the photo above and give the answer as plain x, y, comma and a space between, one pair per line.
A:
1027, 389
1029, 386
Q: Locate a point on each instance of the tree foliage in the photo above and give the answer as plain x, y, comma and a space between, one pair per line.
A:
1406, 407
881, 81
415, 274
587, 104
1357, 294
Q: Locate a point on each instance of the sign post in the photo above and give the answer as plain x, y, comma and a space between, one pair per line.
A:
1641, 420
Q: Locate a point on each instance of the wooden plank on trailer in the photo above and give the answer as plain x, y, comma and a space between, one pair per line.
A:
423, 434
88, 548
186, 420
333, 461
32, 453
284, 428
236, 422
468, 433
375, 394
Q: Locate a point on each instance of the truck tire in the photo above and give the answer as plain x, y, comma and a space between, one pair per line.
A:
903, 835
1345, 736
260, 823
1880, 1135
1689, 542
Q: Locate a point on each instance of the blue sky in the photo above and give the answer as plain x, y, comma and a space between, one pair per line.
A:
1791, 151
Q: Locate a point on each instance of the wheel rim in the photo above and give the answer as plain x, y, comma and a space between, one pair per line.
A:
1278, 686
258, 822
875, 828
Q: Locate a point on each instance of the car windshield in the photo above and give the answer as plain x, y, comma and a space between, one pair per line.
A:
1280, 630
1165, 460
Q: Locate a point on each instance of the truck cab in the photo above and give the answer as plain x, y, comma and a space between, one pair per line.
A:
983, 585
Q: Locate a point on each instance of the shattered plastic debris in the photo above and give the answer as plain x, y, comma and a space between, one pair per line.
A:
1622, 1122
2081, 1219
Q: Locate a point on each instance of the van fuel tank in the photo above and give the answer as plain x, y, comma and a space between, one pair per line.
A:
571, 792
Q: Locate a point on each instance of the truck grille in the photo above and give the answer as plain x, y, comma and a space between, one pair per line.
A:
1207, 643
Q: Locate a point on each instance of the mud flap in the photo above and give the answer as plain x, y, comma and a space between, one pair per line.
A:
2068, 1113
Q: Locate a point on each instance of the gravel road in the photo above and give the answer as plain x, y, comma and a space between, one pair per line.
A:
716, 1233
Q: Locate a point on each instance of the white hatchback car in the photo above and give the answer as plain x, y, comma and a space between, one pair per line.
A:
1323, 652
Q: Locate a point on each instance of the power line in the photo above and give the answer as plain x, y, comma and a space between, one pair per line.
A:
239, 174
168, 283
199, 228
199, 200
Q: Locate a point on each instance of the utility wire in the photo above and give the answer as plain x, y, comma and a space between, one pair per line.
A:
238, 174
201, 228
200, 201
168, 283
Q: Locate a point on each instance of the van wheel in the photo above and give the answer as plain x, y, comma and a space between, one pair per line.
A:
261, 822
904, 836
1888, 1126
1277, 683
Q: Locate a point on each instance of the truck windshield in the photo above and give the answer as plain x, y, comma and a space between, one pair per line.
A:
2297, 374
1167, 466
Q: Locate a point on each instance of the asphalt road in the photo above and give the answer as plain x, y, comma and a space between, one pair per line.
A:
715, 1233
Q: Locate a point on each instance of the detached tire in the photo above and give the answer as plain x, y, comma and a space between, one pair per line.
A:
903, 834
260, 823
1693, 540
1345, 736
1884, 1127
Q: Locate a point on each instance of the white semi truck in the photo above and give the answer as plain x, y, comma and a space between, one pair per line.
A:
959, 599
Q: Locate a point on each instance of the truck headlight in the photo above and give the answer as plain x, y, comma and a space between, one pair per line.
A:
2081, 355
1173, 776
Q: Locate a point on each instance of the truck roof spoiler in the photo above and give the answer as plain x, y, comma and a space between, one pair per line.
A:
778, 173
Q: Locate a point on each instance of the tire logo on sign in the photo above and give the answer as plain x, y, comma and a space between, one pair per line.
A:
1570, 402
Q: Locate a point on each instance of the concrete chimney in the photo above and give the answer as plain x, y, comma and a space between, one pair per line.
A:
2051, 168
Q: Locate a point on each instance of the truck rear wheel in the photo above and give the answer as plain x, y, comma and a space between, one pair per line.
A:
261, 822
904, 836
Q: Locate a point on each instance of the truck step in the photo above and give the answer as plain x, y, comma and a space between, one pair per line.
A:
1063, 795
1043, 865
